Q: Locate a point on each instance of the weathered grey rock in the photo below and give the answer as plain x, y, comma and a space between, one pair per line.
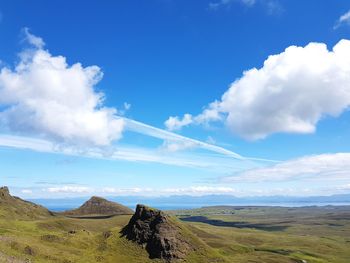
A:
4, 192
158, 233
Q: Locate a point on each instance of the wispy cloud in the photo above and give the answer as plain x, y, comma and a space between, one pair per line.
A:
270, 6
69, 189
226, 3
317, 167
192, 190
173, 137
342, 20
35, 41
26, 191
195, 190
133, 154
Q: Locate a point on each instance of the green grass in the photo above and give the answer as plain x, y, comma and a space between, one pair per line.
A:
315, 235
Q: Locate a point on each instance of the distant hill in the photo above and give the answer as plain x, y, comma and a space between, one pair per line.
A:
98, 206
15, 208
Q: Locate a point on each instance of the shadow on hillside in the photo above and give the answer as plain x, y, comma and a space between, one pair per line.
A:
216, 222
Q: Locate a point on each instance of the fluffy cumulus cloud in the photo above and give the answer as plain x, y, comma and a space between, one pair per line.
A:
44, 95
334, 167
291, 93
343, 20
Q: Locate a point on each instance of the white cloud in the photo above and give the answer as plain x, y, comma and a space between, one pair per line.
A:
69, 189
270, 6
222, 3
343, 20
317, 167
273, 7
227, 161
192, 190
26, 191
199, 190
291, 93
173, 137
127, 106
125, 191
36, 41
345, 187
171, 146
174, 123
44, 95
142, 191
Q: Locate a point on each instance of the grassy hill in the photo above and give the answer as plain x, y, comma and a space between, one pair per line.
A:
40, 236
12, 207
99, 207
30, 233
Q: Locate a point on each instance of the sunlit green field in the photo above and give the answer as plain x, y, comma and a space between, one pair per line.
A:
225, 235
266, 234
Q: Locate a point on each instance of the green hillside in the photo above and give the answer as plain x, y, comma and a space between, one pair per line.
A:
97, 206
14, 208
30, 233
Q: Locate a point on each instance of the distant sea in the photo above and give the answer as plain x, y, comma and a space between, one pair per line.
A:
180, 202
60, 208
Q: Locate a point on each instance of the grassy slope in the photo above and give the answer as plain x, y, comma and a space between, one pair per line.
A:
312, 235
49, 240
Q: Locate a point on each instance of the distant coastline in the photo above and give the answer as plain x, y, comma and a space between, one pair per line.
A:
191, 202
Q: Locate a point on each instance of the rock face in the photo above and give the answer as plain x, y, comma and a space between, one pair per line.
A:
4, 192
16, 208
100, 207
158, 233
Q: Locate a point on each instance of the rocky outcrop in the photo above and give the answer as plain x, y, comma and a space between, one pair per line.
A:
160, 234
100, 207
4, 192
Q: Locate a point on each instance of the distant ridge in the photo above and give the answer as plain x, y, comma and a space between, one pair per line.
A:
98, 206
16, 208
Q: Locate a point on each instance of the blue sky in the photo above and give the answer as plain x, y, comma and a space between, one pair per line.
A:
178, 115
